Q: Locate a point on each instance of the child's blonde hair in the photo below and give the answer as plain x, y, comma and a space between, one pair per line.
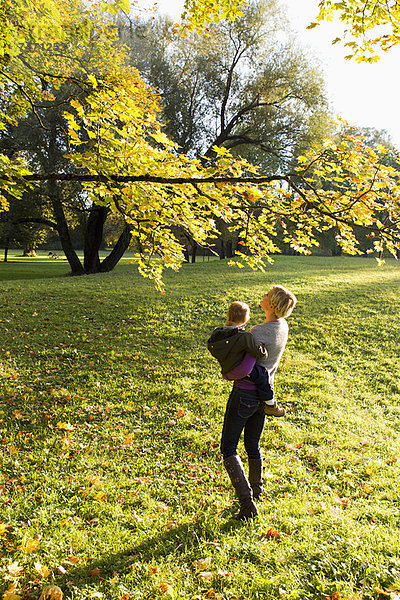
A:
282, 300
238, 312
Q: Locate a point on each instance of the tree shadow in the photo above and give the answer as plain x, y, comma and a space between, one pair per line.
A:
181, 540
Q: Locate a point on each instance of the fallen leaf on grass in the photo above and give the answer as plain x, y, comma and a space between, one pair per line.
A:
144, 480
95, 481
213, 595
42, 569
51, 592
294, 447
100, 496
3, 528
11, 594
161, 507
71, 560
14, 569
65, 426
28, 545
272, 534
165, 588
222, 573
388, 593
202, 564
94, 572
66, 442
207, 575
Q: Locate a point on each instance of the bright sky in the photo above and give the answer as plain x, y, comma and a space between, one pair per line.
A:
365, 95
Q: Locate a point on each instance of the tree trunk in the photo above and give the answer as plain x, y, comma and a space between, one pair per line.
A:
63, 231
119, 249
94, 237
194, 251
5, 254
229, 249
221, 248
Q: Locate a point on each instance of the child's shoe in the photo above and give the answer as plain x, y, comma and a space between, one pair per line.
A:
273, 410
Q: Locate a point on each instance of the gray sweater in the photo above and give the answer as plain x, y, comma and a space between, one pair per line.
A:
274, 335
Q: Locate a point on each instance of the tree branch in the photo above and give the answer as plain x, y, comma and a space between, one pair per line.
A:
41, 221
37, 177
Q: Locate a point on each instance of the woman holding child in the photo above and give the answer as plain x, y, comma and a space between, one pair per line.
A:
252, 397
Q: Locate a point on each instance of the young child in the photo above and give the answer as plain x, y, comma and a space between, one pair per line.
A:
277, 304
230, 344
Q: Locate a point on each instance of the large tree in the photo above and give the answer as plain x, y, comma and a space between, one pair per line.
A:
58, 208
245, 85
128, 165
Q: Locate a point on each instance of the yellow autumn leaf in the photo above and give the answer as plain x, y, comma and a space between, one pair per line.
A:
202, 564
29, 545
65, 426
3, 528
165, 588
206, 575
11, 594
100, 496
14, 569
95, 481
51, 592
42, 569
71, 560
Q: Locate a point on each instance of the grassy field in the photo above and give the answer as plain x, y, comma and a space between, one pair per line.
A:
112, 484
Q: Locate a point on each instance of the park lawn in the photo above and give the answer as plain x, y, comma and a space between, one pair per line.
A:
112, 484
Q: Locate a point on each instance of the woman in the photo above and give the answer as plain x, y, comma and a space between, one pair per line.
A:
243, 410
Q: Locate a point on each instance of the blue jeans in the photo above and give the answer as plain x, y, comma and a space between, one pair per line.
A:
243, 412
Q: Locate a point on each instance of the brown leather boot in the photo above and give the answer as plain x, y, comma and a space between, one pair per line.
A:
234, 468
255, 477
273, 410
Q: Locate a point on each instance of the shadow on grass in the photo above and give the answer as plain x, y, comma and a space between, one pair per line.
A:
26, 269
185, 540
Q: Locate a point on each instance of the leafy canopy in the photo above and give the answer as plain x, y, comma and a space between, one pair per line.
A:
128, 163
369, 26
198, 13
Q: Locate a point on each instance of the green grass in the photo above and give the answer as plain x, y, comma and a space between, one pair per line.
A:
110, 417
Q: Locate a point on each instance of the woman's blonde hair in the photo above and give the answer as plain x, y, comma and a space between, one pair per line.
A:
282, 300
238, 312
